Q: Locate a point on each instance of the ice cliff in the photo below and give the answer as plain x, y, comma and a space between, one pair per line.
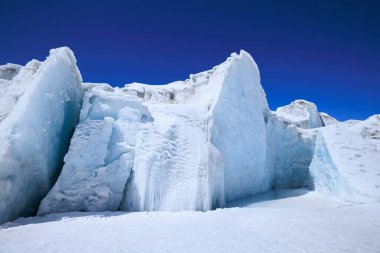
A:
39, 106
187, 145
173, 147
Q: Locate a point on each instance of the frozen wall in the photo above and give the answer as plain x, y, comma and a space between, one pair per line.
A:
101, 153
187, 145
291, 133
44, 102
292, 151
238, 129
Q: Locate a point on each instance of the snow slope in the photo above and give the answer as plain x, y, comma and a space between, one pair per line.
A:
185, 148
327, 119
340, 160
295, 222
39, 108
346, 162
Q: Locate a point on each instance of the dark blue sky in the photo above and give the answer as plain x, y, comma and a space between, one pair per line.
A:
327, 52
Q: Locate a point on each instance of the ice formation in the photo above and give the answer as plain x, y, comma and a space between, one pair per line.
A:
187, 145
346, 162
39, 106
100, 158
301, 113
291, 152
172, 147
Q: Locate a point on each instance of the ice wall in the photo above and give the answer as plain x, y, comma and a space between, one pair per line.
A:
101, 153
43, 102
291, 152
187, 145
238, 129
209, 140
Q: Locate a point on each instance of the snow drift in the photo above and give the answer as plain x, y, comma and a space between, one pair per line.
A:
40, 103
346, 163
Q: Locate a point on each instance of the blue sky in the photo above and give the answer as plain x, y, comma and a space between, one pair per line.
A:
327, 52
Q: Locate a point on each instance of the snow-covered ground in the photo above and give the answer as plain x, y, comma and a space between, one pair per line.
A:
280, 221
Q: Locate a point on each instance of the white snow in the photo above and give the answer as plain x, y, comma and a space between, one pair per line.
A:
283, 221
327, 119
39, 109
346, 162
302, 113
14, 80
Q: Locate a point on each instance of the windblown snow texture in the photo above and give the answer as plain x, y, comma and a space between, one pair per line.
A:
40, 104
346, 162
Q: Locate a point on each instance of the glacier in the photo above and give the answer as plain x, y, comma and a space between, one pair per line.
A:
196, 144
171, 147
40, 103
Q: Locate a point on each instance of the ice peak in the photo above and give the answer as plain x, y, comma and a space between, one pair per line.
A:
302, 113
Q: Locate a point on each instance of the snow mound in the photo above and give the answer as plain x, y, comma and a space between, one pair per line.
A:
301, 113
327, 119
39, 108
177, 146
291, 223
346, 161
14, 80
